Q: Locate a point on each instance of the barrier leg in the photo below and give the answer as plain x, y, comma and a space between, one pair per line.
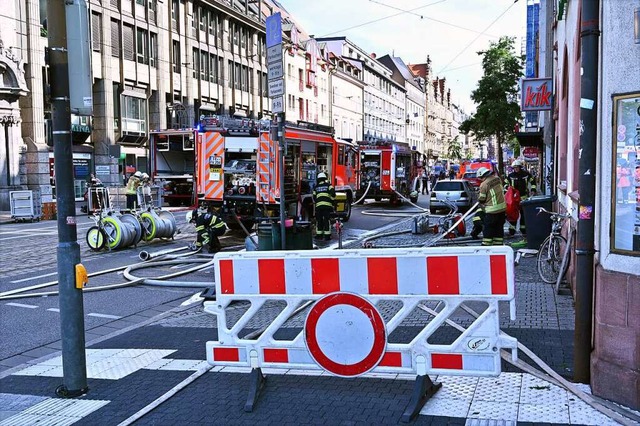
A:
423, 390
257, 383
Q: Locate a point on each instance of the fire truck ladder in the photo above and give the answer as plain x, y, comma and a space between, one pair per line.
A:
266, 170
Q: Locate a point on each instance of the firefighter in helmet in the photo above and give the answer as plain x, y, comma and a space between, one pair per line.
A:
132, 189
491, 197
525, 183
209, 227
324, 198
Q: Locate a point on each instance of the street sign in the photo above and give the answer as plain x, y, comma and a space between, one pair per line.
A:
275, 70
274, 29
276, 87
274, 53
277, 104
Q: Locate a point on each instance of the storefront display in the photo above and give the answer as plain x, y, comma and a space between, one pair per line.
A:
626, 174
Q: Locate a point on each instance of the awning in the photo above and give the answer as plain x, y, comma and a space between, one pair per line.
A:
530, 138
134, 93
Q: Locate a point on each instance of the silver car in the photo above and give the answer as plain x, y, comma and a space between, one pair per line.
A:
455, 191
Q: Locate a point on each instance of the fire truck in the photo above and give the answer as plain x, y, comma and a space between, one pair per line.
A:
386, 169
226, 175
310, 149
172, 162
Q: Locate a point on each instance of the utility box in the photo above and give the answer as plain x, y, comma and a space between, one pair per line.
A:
341, 202
22, 206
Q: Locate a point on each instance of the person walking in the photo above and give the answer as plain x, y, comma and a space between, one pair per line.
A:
491, 198
522, 181
324, 196
425, 181
132, 189
208, 227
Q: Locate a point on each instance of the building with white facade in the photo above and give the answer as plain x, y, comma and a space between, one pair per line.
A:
415, 99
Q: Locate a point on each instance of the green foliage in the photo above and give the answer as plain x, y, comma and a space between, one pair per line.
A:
454, 150
496, 95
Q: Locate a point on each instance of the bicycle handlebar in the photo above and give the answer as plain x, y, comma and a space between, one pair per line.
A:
562, 215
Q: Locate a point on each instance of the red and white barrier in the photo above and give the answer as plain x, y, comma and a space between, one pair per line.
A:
344, 333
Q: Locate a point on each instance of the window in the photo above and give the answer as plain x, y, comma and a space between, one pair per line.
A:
142, 46
127, 42
153, 50
236, 75
175, 57
134, 114
153, 6
203, 19
204, 66
195, 60
243, 38
625, 213
115, 38
212, 26
213, 68
141, 2
96, 32
231, 75
174, 14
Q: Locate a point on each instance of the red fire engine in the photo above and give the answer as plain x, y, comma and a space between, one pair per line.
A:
311, 149
386, 169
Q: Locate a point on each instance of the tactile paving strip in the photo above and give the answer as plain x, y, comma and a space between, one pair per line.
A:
55, 412
505, 387
539, 392
556, 413
493, 410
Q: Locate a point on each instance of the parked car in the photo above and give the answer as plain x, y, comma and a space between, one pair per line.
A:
456, 191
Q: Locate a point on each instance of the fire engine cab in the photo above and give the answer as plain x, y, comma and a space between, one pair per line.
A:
310, 149
386, 169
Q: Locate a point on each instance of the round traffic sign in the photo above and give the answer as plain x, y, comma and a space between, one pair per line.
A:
345, 334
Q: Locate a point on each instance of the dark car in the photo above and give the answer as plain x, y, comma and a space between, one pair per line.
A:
454, 191
472, 178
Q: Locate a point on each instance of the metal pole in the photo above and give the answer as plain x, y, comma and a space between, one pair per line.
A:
283, 147
71, 304
589, 36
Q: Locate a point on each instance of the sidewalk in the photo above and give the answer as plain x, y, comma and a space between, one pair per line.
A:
131, 366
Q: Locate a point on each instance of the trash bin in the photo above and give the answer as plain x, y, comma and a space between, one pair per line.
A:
265, 236
538, 225
298, 236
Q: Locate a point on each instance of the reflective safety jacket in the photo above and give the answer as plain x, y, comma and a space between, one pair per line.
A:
491, 195
324, 195
523, 181
212, 223
132, 185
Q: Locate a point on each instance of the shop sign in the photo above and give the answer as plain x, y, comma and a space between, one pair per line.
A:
537, 94
530, 152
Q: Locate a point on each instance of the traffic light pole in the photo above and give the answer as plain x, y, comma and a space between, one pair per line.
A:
71, 304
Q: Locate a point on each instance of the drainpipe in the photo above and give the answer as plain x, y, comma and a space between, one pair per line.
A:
590, 39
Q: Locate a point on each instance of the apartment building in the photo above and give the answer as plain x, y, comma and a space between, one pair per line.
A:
415, 101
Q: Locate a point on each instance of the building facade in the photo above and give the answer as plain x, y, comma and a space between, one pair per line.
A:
615, 357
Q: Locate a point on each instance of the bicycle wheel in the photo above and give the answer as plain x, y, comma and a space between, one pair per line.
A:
550, 258
95, 238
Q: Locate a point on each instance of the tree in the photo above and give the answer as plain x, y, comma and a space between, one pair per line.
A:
496, 95
454, 150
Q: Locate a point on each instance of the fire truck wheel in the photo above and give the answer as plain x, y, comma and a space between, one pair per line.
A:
347, 210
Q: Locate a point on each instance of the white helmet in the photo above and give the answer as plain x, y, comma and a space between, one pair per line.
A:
517, 163
145, 176
191, 215
138, 174
482, 172
322, 176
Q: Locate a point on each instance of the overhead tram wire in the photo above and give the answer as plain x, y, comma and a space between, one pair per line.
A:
382, 19
477, 37
431, 19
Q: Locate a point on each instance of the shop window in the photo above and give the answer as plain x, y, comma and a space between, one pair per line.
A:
626, 175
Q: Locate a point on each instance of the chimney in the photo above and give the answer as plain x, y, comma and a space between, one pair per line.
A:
373, 55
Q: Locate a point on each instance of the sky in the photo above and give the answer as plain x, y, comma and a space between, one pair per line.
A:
451, 32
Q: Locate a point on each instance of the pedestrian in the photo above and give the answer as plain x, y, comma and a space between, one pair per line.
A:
208, 227
324, 196
525, 184
624, 183
425, 181
434, 180
452, 174
132, 189
491, 198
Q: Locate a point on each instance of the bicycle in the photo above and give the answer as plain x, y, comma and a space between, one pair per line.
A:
551, 265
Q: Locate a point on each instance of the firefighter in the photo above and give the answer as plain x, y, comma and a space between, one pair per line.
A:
525, 184
209, 227
324, 198
491, 197
132, 189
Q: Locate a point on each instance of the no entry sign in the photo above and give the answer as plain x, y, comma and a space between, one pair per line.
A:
345, 334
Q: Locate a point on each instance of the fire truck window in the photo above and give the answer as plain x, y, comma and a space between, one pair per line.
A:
341, 155
324, 158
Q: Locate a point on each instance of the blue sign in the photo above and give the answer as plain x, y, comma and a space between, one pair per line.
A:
274, 29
